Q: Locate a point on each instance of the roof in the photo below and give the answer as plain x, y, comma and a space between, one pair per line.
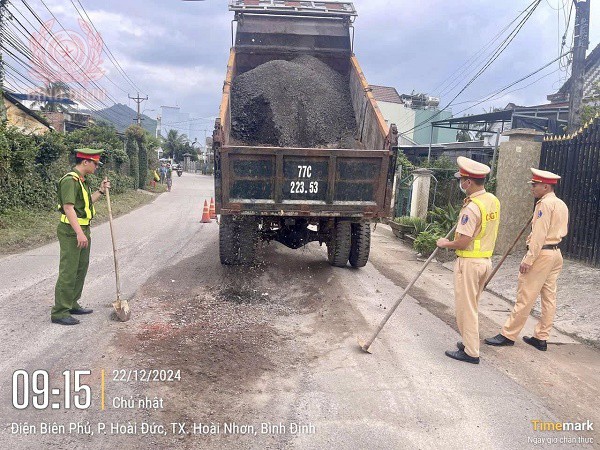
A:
496, 116
592, 75
386, 94
11, 98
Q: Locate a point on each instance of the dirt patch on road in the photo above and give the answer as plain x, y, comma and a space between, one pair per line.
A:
228, 329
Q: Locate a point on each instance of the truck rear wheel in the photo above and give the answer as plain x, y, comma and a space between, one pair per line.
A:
361, 244
237, 240
338, 248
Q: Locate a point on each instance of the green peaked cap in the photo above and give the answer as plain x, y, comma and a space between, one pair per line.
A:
89, 151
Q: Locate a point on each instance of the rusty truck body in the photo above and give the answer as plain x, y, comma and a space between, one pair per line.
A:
300, 195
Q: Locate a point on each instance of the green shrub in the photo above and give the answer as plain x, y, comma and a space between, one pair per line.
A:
404, 220
425, 243
420, 225
444, 219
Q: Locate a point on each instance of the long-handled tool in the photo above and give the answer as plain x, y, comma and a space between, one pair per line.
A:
365, 346
506, 253
121, 306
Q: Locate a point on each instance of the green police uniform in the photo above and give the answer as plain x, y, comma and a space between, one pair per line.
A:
73, 189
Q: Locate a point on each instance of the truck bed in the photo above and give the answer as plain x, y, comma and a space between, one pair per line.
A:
260, 180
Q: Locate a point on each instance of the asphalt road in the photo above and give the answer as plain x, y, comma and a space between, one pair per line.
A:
266, 357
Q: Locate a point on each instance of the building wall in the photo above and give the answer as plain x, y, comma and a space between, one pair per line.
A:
23, 121
440, 135
403, 117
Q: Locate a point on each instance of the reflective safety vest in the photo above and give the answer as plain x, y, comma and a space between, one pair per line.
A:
483, 244
89, 209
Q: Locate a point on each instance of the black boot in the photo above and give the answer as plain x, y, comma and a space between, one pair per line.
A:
499, 341
460, 346
537, 343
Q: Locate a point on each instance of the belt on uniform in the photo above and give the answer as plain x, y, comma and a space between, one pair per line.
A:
548, 247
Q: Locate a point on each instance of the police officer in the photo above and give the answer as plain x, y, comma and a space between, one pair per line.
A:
541, 265
474, 242
75, 202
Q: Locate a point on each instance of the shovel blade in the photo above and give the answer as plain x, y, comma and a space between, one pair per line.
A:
122, 310
363, 346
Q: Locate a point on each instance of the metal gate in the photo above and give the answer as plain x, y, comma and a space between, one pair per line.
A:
577, 159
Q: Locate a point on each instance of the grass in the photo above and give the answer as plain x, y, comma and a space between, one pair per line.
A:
21, 230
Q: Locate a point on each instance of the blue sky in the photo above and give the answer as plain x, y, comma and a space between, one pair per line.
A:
176, 52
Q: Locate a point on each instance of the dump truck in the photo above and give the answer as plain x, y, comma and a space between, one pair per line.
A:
295, 195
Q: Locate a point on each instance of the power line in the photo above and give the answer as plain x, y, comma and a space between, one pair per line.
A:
467, 64
499, 91
30, 56
107, 50
495, 56
27, 34
484, 98
66, 53
15, 43
69, 55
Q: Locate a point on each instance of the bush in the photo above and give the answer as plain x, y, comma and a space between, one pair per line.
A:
30, 166
443, 219
425, 243
118, 183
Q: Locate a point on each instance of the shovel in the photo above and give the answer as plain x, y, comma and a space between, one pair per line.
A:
366, 346
121, 307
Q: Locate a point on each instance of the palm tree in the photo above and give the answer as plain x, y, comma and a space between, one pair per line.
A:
55, 90
174, 145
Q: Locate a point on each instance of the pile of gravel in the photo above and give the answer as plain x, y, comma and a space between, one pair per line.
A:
298, 103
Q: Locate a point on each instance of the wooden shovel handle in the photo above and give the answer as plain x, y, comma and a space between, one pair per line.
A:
507, 253
114, 245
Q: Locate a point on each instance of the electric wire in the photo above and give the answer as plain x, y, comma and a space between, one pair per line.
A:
495, 56
499, 91
107, 49
63, 28
476, 57
92, 104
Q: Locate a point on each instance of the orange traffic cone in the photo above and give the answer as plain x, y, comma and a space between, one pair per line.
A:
205, 213
212, 212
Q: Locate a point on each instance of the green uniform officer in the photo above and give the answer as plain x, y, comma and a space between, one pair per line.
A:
75, 202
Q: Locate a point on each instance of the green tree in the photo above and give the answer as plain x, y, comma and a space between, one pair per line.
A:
98, 136
174, 145
132, 149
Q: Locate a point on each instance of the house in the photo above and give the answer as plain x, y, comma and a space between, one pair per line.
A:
412, 114
23, 118
65, 122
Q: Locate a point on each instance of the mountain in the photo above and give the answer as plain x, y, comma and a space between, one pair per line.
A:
122, 116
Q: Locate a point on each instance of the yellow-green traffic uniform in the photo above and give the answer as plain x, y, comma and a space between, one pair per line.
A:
74, 261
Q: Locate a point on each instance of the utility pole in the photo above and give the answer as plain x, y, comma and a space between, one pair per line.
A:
2, 108
582, 29
139, 101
